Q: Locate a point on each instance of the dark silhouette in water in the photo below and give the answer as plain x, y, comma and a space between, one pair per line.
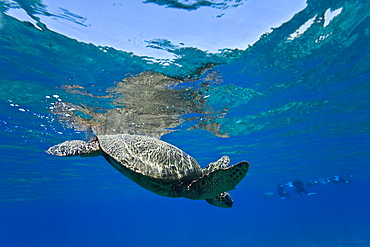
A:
299, 188
335, 179
281, 191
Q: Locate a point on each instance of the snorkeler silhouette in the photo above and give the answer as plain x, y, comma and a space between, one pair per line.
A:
282, 192
299, 188
336, 179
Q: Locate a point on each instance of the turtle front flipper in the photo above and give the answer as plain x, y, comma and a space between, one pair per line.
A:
223, 162
221, 180
76, 147
223, 200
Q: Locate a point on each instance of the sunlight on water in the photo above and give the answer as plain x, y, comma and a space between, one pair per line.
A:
330, 14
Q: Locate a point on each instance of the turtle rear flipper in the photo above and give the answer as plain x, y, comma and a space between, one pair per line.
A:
75, 147
218, 181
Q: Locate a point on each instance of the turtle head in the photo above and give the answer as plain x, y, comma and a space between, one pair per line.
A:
223, 200
216, 182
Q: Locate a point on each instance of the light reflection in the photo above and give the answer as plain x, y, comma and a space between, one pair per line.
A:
146, 104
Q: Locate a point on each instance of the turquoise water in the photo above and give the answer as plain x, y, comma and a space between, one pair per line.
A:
295, 107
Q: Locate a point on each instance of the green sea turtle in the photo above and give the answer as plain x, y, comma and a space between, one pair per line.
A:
161, 167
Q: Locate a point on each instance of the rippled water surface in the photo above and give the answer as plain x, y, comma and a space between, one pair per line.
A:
295, 103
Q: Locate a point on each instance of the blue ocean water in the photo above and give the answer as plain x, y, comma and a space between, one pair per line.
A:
295, 105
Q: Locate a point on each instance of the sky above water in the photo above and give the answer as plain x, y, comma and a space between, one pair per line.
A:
129, 25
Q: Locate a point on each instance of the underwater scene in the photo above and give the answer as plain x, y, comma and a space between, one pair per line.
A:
185, 123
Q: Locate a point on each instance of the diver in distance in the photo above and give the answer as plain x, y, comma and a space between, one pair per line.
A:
299, 188
335, 179
282, 192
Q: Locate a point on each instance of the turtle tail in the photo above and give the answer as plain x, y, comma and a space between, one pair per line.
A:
75, 147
